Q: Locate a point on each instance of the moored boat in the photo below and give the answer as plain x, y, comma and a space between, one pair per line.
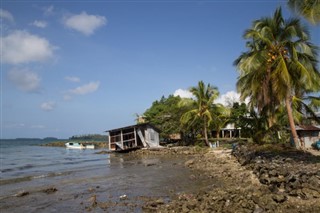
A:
76, 145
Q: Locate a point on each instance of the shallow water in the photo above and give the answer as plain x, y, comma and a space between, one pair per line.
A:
78, 175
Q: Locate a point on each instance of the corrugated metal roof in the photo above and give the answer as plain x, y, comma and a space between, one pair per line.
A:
132, 126
307, 128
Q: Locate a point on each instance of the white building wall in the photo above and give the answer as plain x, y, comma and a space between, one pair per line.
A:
152, 137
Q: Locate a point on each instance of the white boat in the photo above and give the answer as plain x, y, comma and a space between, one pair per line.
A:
76, 145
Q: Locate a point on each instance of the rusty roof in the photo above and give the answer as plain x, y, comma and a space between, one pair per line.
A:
137, 125
308, 128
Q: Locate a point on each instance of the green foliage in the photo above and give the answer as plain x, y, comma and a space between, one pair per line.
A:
204, 97
309, 9
165, 114
90, 137
221, 115
279, 67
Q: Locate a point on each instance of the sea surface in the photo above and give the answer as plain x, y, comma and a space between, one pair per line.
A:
29, 172
21, 159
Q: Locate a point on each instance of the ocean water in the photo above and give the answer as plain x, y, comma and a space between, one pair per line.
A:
79, 175
26, 160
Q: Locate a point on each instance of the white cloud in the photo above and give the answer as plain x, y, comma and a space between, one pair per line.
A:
39, 126
25, 80
183, 93
48, 10
40, 24
48, 106
82, 90
23, 47
6, 15
229, 98
72, 78
14, 125
85, 23
85, 89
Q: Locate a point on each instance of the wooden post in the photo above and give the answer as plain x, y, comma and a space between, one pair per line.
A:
109, 139
121, 136
135, 136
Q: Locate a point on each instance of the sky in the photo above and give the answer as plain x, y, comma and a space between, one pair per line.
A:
83, 67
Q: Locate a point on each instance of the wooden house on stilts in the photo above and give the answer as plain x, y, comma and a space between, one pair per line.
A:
133, 137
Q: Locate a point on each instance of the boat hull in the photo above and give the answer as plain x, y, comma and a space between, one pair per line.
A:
76, 145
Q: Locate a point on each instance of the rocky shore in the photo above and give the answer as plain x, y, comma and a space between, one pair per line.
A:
182, 179
248, 180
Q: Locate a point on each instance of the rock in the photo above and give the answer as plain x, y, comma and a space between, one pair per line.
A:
189, 163
50, 190
279, 198
22, 194
258, 209
93, 200
309, 193
123, 197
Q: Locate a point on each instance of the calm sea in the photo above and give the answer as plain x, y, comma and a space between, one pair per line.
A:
78, 175
24, 160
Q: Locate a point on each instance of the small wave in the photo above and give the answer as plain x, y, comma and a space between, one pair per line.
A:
39, 176
6, 170
30, 178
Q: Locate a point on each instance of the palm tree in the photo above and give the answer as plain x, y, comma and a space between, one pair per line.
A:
222, 117
280, 63
309, 9
204, 97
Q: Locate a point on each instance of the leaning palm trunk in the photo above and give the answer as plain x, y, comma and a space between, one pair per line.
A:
205, 132
291, 122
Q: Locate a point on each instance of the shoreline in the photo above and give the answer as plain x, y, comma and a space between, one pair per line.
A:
181, 179
251, 183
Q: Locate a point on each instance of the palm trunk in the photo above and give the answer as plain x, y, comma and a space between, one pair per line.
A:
291, 122
218, 133
205, 132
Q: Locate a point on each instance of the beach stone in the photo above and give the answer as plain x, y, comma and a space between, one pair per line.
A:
279, 198
22, 194
189, 163
310, 193
50, 190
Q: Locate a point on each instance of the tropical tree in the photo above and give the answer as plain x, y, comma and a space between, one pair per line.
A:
165, 114
279, 64
204, 98
309, 9
221, 117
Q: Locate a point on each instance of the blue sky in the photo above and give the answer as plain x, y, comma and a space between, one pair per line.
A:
82, 67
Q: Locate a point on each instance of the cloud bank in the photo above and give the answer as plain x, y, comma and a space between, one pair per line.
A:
183, 93
85, 23
23, 47
72, 78
226, 99
25, 80
6, 15
82, 90
85, 89
48, 106
40, 24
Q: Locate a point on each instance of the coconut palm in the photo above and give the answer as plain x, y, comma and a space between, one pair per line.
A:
204, 97
222, 118
309, 9
280, 63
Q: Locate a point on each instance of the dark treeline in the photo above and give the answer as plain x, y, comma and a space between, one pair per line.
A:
90, 137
